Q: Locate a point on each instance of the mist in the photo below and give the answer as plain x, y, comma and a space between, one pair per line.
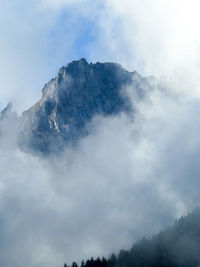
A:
130, 177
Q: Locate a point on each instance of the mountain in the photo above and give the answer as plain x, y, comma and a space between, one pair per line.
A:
176, 246
8, 124
70, 100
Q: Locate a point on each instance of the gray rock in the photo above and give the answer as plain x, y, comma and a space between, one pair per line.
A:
70, 100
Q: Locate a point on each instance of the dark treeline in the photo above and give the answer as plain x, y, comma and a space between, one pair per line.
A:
176, 246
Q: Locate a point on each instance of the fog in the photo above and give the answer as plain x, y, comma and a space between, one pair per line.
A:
131, 176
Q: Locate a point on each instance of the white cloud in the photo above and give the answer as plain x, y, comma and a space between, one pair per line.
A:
155, 37
124, 180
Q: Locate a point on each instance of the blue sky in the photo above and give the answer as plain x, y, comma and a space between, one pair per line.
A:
35, 43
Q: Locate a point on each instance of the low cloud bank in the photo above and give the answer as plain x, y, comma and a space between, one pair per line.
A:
128, 178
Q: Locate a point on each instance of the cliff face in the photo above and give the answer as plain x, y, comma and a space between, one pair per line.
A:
78, 93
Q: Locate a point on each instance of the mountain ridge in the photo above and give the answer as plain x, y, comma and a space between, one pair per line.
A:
69, 101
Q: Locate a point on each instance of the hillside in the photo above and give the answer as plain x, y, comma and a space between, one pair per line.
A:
176, 246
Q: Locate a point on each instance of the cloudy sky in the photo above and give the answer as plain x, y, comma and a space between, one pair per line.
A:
38, 37
126, 179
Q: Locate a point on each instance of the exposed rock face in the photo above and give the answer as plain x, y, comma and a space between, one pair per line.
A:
72, 99
7, 113
9, 125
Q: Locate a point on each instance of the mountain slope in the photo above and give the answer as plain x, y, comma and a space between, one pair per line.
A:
176, 246
78, 93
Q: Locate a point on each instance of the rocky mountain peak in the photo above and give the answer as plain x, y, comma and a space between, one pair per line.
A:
69, 101
7, 112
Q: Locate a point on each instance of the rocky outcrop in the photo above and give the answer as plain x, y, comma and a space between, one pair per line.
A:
70, 100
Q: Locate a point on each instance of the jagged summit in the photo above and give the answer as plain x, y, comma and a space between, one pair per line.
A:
81, 68
7, 112
80, 91
4, 113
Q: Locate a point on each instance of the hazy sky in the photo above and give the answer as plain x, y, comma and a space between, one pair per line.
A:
126, 179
